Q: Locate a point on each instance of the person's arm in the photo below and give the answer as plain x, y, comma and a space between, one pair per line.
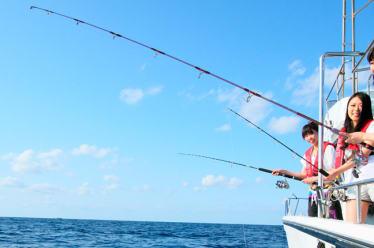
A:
336, 172
301, 174
358, 137
310, 180
328, 164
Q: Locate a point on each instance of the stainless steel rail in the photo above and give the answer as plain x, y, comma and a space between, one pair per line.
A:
321, 102
358, 193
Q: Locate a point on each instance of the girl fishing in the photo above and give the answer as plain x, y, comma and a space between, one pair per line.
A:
359, 117
309, 171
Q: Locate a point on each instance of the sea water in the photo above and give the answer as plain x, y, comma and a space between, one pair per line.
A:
34, 232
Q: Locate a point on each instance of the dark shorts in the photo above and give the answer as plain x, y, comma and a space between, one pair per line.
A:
335, 210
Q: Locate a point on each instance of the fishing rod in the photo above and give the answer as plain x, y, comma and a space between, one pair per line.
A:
244, 165
201, 70
322, 171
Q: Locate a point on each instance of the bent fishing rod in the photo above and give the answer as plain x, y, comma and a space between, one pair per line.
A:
244, 165
322, 171
201, 70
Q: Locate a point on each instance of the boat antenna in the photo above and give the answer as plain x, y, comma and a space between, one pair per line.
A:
201, 70
244, 165
322, 171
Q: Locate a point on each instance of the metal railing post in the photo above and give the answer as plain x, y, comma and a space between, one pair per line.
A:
358, 203
320, 130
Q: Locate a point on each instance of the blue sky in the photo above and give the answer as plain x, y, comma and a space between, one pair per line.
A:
91, 126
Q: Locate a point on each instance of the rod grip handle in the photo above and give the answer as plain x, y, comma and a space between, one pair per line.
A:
323, 172
265, 170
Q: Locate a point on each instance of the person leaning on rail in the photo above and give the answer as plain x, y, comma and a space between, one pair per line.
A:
357, 163
310, 169
359, 137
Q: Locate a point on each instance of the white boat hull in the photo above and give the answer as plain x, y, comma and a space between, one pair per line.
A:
308, 232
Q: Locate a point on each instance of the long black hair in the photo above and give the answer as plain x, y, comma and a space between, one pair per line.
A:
370, 56
366, 113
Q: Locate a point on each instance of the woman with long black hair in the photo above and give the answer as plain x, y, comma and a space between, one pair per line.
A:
359, 118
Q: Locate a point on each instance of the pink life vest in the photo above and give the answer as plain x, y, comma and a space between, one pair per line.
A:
312, 169
339, 154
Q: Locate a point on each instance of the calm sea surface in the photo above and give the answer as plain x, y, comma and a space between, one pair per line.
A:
33, 232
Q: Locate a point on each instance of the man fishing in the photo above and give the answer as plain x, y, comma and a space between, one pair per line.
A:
309, 171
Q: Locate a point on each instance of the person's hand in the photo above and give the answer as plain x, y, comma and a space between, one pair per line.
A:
333, 173
277, 171
353, 138
308, 180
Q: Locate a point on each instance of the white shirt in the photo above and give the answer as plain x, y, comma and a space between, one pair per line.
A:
328, 158
367, 171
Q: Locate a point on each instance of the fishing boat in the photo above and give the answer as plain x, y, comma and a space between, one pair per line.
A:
303, 231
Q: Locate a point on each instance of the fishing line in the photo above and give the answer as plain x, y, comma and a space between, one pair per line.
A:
201, 70
244, 165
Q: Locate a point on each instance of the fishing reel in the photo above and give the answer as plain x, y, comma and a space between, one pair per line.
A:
337, 194
282, 184
360, 160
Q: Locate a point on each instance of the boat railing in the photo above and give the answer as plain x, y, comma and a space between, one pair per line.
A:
288, 204
358, 185
291, 209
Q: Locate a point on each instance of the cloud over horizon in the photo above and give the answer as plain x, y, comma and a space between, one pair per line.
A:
29, 161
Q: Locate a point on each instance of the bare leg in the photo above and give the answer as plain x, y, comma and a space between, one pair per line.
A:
351, 211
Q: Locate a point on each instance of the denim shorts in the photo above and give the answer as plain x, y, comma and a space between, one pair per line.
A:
367, 193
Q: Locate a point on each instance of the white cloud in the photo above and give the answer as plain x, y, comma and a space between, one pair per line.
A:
11, 182
185, 184
251, 107
211, 180
112, 186
115, 160
224, 128
133, 96
256, 109
28, 161
8, 156
85, 149
83, 189
154, 90
144, 187
259, 180
111, 178
234, 182
305, 88
51, 154
284, 124
191, 97
297, 69
233, 97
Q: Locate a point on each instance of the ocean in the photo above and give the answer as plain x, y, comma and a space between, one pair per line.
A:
35, 232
